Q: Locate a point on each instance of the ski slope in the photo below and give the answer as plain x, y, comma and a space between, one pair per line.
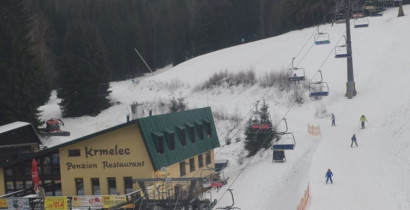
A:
373, 176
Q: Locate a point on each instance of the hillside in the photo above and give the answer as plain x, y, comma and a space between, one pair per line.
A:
372, 176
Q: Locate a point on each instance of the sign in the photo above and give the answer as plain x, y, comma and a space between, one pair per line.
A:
3, 203
87, 201
164, 170
56, 203
112, 200
14, 203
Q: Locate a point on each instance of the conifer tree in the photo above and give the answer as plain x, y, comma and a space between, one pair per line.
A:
84, 82
23, 87
262, 135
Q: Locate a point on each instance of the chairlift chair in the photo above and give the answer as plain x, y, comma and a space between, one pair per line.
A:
361, 22
341, 52
295, 73
319, 88
286, 142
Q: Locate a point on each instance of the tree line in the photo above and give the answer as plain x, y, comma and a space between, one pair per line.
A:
78, 46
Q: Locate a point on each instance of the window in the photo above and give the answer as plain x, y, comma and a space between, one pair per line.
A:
128, 185
19, 170
112, 186
170, 139
19, 185
47, 165
55, 159
182, 169
208, 129
200, 128
160, 144
191, 164
9, 172
10, 185
192, 134
28, 184
95, 186
182, 136
74, 153
208, 157
79, 186
200, 161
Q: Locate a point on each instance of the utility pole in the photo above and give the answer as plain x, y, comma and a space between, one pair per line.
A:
350, 85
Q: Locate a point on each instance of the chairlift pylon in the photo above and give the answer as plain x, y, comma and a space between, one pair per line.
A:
319, 88
295, 73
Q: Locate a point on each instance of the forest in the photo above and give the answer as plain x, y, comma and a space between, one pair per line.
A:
77, 47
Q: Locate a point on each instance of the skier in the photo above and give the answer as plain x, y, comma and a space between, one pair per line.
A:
328, 176
363, 119
354, 141
333, 120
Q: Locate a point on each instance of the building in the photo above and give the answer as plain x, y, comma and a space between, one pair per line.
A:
178, 144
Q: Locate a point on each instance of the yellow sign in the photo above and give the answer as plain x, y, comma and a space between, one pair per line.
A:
112, 200
56, 203
3, 203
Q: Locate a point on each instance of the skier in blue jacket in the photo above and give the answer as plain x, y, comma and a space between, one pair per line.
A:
328, 176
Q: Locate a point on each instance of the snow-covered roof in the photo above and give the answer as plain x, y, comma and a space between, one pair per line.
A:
12, 126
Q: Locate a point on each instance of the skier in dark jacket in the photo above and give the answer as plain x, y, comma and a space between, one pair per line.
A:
354, 141
333, 118
328, 176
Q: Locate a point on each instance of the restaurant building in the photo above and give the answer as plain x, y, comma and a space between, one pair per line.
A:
179, 144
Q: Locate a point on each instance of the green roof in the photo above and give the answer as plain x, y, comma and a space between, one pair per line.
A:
154, 127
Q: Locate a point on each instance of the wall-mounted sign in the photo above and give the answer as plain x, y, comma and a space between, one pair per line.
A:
87, 201
91, 152
56, 203
104, 165
112, 200
14, 203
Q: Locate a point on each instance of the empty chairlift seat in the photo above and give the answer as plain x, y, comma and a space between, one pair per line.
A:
361, 22
322, 38
319, 88
341, 52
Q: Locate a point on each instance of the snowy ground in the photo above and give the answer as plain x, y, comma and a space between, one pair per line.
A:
372, 176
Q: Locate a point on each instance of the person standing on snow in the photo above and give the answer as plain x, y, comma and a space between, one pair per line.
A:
328, 176
333, 118
362, 120
354, 141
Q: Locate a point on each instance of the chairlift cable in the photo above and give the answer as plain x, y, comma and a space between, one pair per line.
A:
250, 160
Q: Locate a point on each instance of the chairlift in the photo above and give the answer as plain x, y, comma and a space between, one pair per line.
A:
361, 22
286, 142
232, 205
295, 73
321, 38
257, 122
319, 88
341, 51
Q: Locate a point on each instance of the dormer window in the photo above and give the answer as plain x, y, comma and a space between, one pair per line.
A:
159, 142
170, 138
182, 135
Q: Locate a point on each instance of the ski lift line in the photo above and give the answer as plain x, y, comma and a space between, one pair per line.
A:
250, 160
143, 60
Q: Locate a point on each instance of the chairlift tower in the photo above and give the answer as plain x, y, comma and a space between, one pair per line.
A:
350, 85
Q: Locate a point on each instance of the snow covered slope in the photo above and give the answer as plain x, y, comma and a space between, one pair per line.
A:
373, 176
